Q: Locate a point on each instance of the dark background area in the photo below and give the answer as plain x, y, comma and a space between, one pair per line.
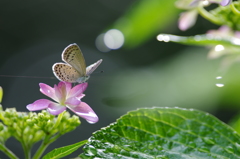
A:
33, 35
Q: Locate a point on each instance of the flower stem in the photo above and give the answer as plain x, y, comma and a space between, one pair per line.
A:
47, 141
234, 9
48, 138
59, 119
209, 16
27, 150
8, 152
42, 148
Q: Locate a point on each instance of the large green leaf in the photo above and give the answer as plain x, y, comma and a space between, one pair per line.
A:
173, 133
64, 151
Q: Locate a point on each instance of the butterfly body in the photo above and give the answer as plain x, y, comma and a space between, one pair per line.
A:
74, 70
83, 79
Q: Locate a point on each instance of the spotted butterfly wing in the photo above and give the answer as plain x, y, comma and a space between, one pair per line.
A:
65, 72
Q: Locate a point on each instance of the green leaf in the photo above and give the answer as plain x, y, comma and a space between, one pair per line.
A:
172, 133
200, 40
64, 151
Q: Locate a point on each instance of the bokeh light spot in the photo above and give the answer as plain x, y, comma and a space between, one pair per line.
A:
99, 42
219, 48
113, 39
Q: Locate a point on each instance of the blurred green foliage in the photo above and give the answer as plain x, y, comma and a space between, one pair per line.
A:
145, 19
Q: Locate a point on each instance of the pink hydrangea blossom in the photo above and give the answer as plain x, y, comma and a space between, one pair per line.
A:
65, 97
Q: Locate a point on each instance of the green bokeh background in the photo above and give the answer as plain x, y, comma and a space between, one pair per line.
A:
143, 73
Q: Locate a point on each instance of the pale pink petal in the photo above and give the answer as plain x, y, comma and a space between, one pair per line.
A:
55, 108
58, 93
223, 31
85, 111
62, 88
225, 2
60, 84
39, 105
237, 34
194, 3
81, 96
187, 19
78, 90
68, 86
73, 101
47, 90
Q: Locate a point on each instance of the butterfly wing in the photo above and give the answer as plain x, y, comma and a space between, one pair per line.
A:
74, 57
65, 72
93, 67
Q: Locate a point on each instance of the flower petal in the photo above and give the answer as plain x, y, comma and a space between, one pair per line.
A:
55, 108
39, 104
62, 88
73, 101
187, 19
225, 2
68, 86
58, 93
47, 90
78, 90
85, 111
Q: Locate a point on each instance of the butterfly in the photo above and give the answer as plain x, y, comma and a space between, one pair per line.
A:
74, 70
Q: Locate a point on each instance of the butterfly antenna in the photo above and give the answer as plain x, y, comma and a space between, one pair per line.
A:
98, 72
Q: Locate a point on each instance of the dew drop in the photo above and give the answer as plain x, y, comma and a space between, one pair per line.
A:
219, 48
219, 84
162, 37
219, 77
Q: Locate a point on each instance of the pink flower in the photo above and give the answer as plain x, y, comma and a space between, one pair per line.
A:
65, 97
